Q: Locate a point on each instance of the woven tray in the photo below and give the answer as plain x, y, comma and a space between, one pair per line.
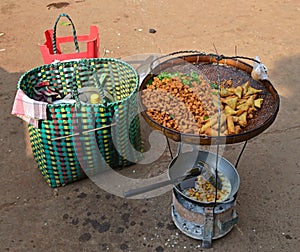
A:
226, 68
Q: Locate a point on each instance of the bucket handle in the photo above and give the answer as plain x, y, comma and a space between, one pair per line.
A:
54, 33
172, 54
199, 53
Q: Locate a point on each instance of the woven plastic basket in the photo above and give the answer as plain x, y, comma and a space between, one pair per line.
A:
62, 161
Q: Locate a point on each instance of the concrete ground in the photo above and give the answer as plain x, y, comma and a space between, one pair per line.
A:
83, 217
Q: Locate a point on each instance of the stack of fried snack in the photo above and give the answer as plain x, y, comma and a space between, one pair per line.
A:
190, 104
238, 104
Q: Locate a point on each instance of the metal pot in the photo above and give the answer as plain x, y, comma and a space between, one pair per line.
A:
181, 166
184, 162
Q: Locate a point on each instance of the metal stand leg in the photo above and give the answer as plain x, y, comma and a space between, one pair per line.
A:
240, 155
208, 228
169, 146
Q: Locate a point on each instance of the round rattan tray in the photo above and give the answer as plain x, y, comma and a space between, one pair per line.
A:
224, 68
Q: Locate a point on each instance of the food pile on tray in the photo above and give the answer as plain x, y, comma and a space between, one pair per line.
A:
204, 191
189, 103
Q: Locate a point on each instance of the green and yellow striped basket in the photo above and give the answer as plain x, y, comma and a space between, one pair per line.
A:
85, 150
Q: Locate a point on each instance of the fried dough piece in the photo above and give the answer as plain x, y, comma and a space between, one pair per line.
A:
238, 91
230, 124
242, 110
224, 92
245, 87
242, 119
252, 91
231, 101
241, 101
250, 101
229, 111
213, 121
258, 102
207, 125
242, 107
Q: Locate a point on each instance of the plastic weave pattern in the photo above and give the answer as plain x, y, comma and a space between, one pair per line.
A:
66, 160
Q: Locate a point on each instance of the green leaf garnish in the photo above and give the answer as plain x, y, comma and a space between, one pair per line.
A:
164, 75
214, 85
